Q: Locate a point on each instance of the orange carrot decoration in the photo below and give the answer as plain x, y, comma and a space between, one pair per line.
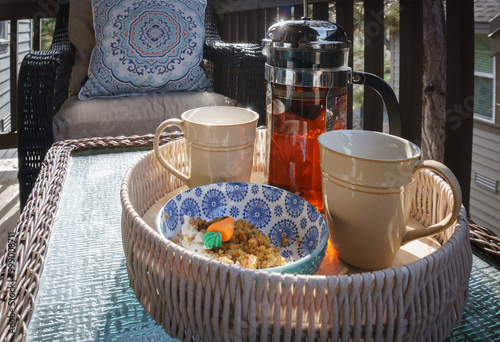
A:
225, 227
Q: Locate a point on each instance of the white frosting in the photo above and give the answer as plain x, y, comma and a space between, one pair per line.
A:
192, 239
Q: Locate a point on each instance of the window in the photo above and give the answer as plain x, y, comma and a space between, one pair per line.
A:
4, 43
484, 78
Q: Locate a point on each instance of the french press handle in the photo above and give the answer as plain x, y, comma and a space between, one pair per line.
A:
388, 96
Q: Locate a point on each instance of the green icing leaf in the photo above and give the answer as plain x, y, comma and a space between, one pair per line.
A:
212, 240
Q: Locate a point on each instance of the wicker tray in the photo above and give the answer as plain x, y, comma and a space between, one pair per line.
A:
191, 296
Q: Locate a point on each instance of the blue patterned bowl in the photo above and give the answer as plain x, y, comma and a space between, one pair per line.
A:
274, 211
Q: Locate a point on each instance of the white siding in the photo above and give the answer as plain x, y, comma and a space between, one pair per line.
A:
4, 92
24, 47
395, 58
485, 203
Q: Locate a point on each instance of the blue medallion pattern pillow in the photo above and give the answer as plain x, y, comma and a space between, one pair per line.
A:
145, 46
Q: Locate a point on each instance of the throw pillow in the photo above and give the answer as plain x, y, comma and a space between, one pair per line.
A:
145, 46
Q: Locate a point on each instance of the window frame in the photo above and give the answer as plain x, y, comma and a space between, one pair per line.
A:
481, 117
4, 35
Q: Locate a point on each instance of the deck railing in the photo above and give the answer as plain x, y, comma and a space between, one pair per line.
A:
248, 21
16, 10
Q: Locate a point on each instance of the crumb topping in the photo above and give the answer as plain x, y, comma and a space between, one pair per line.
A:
248, 247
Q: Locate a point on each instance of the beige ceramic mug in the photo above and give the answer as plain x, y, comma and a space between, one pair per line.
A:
367, 181
219, 144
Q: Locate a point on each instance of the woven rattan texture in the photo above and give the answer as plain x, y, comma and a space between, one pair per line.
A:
192, 296
234, 70
43, 87
485, 241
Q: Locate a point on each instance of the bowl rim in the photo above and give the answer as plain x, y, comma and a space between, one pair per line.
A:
319, 249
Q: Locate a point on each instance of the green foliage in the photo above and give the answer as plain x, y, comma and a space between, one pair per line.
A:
48, 26
391, 18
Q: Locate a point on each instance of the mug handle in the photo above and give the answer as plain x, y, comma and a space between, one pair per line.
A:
449, 177
156, 147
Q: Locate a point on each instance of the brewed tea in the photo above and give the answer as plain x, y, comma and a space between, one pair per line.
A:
298, 117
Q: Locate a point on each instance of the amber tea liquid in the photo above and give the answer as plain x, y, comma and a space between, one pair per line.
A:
297, 118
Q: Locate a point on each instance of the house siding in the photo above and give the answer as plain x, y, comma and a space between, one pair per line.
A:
484, 203
395, 61
24, 46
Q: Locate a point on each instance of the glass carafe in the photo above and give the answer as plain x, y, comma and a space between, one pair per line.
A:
307, 79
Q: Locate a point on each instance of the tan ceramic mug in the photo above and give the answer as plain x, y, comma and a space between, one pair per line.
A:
367, 181
219, 141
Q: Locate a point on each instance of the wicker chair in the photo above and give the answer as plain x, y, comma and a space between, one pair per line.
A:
234, 70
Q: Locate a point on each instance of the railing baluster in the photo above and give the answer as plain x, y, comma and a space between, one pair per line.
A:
374, 62
271, 16
226, 24
234, 27
251, 29
14, 62
411, 68
261, 25
345, 18
320, 11
37, 34
285, 12
460, 92
242, 27
298, 12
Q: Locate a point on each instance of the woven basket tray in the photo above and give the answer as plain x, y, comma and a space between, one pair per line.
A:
193, 297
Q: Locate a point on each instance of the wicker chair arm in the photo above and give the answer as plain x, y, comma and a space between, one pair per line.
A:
237, 71
42, 88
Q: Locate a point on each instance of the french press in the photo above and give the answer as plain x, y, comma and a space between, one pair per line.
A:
307, 78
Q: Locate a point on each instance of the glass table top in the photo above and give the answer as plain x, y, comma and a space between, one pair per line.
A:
84, 291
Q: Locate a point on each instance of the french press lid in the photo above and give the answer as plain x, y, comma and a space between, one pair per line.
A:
306, 43
306, 34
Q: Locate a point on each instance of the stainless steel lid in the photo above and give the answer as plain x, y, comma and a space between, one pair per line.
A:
306, 44
306, 34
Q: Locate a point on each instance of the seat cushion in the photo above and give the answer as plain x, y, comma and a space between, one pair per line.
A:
131, 115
